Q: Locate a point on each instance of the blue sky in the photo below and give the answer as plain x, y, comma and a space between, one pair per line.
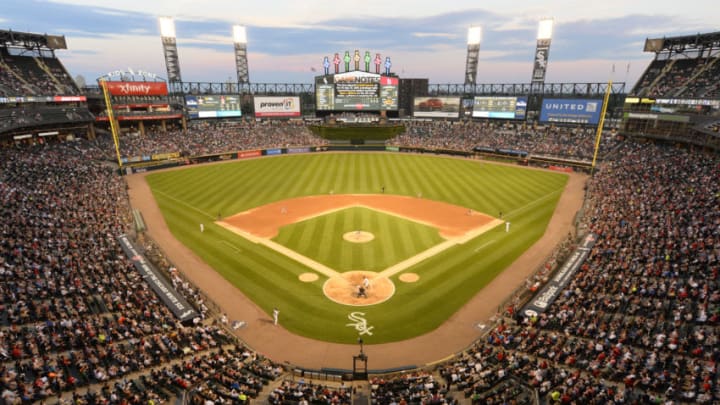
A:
287, 39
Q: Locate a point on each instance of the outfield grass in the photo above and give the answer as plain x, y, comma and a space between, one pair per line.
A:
447, 281
321, 239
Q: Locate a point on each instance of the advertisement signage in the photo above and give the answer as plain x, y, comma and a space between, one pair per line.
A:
574, 111
562, 278
169, 296
358, 90
277, 106
249, 154
137, 88
500, 107
41, 99
441, 107
213, 106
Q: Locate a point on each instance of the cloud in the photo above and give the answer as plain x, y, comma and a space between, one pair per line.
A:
434, 34
423, 38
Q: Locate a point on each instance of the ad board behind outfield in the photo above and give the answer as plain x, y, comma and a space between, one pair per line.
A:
571, 110
442, 107
276, 106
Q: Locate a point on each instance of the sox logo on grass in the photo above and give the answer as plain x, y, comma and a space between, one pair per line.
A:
360, 323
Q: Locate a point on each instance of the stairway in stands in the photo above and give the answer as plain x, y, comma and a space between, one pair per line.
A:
361, 393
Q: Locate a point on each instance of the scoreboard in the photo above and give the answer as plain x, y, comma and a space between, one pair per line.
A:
500, 107
213, 106
355, 91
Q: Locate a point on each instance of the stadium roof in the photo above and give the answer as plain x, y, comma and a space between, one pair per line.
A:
679, 44
31, 41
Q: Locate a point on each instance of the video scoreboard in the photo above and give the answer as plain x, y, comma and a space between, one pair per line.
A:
500, 107
213, 106
354, 91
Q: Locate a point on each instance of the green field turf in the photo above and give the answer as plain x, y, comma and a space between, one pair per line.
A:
321, 239
447, 281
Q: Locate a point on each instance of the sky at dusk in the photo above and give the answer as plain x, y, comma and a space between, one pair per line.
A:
288, 39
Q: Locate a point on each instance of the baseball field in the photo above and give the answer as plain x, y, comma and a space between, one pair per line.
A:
302, 233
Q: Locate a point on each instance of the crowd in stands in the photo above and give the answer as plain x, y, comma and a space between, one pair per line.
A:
204, 138
705, 84
304, 393
410, 387
31, 116
568, 142
33, 76
680, 78
77, 322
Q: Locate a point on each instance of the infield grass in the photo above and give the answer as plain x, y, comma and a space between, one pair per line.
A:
321, 239
447, 281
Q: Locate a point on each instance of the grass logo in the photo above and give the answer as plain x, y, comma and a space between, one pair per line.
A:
360, 323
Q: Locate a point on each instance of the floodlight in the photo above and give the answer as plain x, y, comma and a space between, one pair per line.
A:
474, 35
167, 27
239, 34
545, 29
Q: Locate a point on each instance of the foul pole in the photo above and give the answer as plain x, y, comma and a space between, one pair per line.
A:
601, 123
111, 117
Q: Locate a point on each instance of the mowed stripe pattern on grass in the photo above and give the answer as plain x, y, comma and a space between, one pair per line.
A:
448, 280
321, 239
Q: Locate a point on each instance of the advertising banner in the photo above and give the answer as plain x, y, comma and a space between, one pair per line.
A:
137, 88
575, 111
270, 152
277, 106
166, 156
442, 107
298, 150
41, 99
552, 289
171, 298
249, 153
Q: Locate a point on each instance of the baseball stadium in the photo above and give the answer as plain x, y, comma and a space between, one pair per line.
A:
366, 237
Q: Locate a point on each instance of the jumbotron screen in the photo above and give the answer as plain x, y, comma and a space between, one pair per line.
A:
354, 91
500, 107
213, 106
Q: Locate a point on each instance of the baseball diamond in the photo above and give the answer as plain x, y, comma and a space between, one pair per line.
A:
447, 280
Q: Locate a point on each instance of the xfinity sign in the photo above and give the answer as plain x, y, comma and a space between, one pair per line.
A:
573, 111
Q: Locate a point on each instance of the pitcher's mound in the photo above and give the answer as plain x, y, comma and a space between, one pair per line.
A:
358, 236
344, 288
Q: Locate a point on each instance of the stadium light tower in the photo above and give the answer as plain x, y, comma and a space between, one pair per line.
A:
241, 64
167, 35
542, 52
473, 50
